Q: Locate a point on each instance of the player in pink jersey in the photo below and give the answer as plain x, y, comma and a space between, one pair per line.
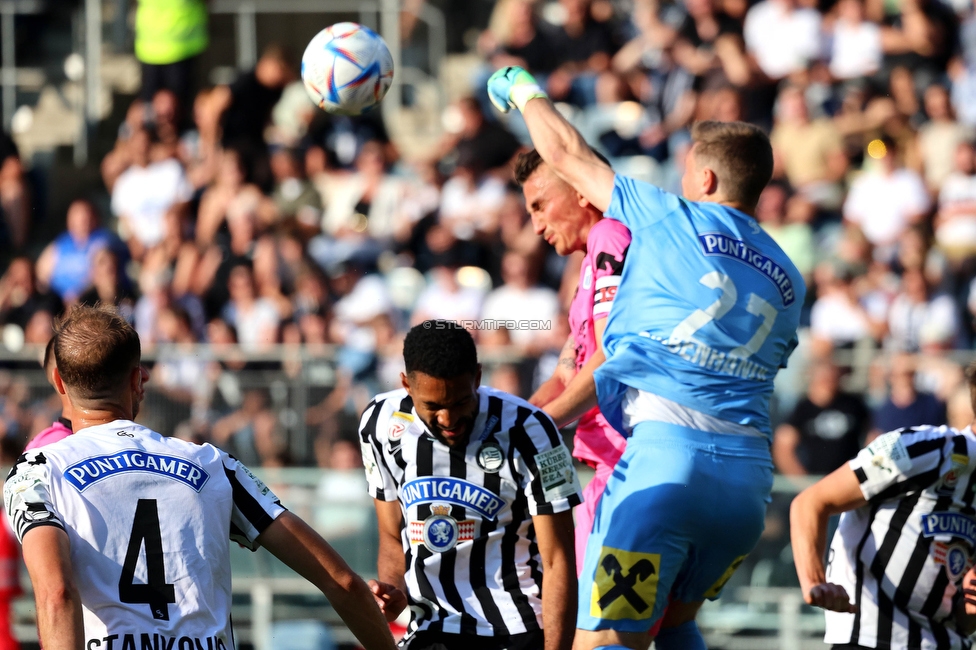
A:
62, 427
578, 226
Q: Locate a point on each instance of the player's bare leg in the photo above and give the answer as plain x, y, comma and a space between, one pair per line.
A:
675, 624
591, 639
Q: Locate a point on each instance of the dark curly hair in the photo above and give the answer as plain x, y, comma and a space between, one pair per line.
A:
441, 349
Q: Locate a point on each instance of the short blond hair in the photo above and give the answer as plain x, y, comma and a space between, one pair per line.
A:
740, 155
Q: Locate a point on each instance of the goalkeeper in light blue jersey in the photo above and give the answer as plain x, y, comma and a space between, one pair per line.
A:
705, 314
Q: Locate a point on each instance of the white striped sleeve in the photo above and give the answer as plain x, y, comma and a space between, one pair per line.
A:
552, 484
903, 461
27, 495
255, 505
378, 477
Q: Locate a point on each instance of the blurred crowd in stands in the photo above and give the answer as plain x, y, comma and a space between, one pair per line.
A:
251, 217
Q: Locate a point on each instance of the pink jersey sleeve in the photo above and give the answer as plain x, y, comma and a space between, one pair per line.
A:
53, 433
607, 246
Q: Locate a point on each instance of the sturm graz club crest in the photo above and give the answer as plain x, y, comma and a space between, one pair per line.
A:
440, 532
490, 457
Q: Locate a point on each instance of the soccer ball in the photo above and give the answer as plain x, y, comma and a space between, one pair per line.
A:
347, 69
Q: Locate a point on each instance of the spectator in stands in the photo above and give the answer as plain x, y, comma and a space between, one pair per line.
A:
917, 312
109, 285
360, 206
144, 193
855, 43
920, 37
794, 235
516, 36
837, 318
250, 432
584, 45
809, 153
886, 200
15, 200
520, 298
358, 322
446, 299
295, 198
783, 36
710, 46
230, 196
955, 221
472, 137
164, 120
244, 109
65, 264
905, 406
255, 319
826, 428
181, 384
199, 149
169, 38
20, 296
271, 273
471, 199
939, 137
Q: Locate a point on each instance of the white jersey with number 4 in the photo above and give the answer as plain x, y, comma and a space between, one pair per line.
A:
149, 520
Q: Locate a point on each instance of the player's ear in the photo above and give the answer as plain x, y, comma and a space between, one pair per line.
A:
477, 377
709, 181
581, 201
58, 383
404, 381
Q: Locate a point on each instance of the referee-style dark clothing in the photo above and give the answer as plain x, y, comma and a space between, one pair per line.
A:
902, 557
473, 564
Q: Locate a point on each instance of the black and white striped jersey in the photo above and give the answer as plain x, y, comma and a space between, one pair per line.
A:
149, 520
473, 564
903, 555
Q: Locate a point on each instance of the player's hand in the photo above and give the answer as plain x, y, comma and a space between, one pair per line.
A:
391, 600
830, 597
512, 87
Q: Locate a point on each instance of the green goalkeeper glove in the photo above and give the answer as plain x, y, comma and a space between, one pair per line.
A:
513, 87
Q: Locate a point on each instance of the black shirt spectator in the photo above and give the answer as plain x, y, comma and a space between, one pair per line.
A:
826, 428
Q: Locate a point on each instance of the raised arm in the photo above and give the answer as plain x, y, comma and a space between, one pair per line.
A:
557, 141
294, 542
835, 493
557, 548
48, 558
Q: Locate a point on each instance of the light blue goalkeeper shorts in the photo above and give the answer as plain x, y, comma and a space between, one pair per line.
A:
679, 514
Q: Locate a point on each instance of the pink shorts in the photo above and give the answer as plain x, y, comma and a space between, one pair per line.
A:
585, 513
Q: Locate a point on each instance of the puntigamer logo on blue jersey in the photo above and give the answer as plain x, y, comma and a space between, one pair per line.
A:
719, 244
451, 490
954, 524
91, 470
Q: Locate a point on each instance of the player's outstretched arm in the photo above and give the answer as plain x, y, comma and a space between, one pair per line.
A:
391, 564
835, 493
558, 551
48, 558
557, 141
294, 542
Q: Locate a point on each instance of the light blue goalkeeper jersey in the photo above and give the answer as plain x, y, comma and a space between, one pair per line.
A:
706, 311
